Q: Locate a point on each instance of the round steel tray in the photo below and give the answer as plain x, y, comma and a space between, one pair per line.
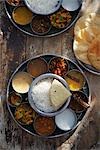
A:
53, 32
89, 68
29, 128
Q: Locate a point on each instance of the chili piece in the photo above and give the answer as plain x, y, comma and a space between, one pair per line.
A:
14, 2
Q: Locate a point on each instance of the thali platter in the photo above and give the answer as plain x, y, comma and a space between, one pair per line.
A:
18, 101
89, 68
52, 31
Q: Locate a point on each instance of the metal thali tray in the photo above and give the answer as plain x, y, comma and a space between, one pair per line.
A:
29, 128
89, 68
53, 32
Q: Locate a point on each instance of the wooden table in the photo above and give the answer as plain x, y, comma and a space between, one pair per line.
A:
15, 47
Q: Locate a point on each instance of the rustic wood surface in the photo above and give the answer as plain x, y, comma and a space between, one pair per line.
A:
15, 47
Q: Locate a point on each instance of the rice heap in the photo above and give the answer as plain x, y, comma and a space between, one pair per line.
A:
41, 97
43, 6
49, 94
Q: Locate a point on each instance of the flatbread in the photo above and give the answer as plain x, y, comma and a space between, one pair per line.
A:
93, 18
94, 53
80, 24
95, 30
80, 51
86, 30
58, 94
86, 34
83, 22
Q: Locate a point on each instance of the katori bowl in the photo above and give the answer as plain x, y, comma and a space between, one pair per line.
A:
31, 97
37, 9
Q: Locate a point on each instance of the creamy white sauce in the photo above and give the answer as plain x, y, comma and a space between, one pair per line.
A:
65, 120
70, 5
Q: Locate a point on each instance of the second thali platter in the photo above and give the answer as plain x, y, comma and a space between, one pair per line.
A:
37, 22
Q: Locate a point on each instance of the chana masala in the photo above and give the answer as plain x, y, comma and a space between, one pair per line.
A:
13, 2
58, 66
61, 18
44, 125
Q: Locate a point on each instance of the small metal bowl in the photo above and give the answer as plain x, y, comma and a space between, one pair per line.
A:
56, 67
19, 113
61, 19
20, 22
31, 101
66, 116
69, 76
40, 24
75, 105
14, 94
45, 125
41, 13
71, 5
21, 82
37, 66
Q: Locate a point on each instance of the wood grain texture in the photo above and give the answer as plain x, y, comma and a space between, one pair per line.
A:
11, 49
52, 45
15, 47
34, 46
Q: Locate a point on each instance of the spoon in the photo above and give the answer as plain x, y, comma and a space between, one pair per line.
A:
71, 5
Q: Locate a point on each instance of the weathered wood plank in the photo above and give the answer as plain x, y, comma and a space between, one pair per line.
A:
34, 46
11, 135
52, 45
15, 48
67, 44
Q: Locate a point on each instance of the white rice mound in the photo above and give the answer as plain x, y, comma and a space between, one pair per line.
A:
43, 6
41, 97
